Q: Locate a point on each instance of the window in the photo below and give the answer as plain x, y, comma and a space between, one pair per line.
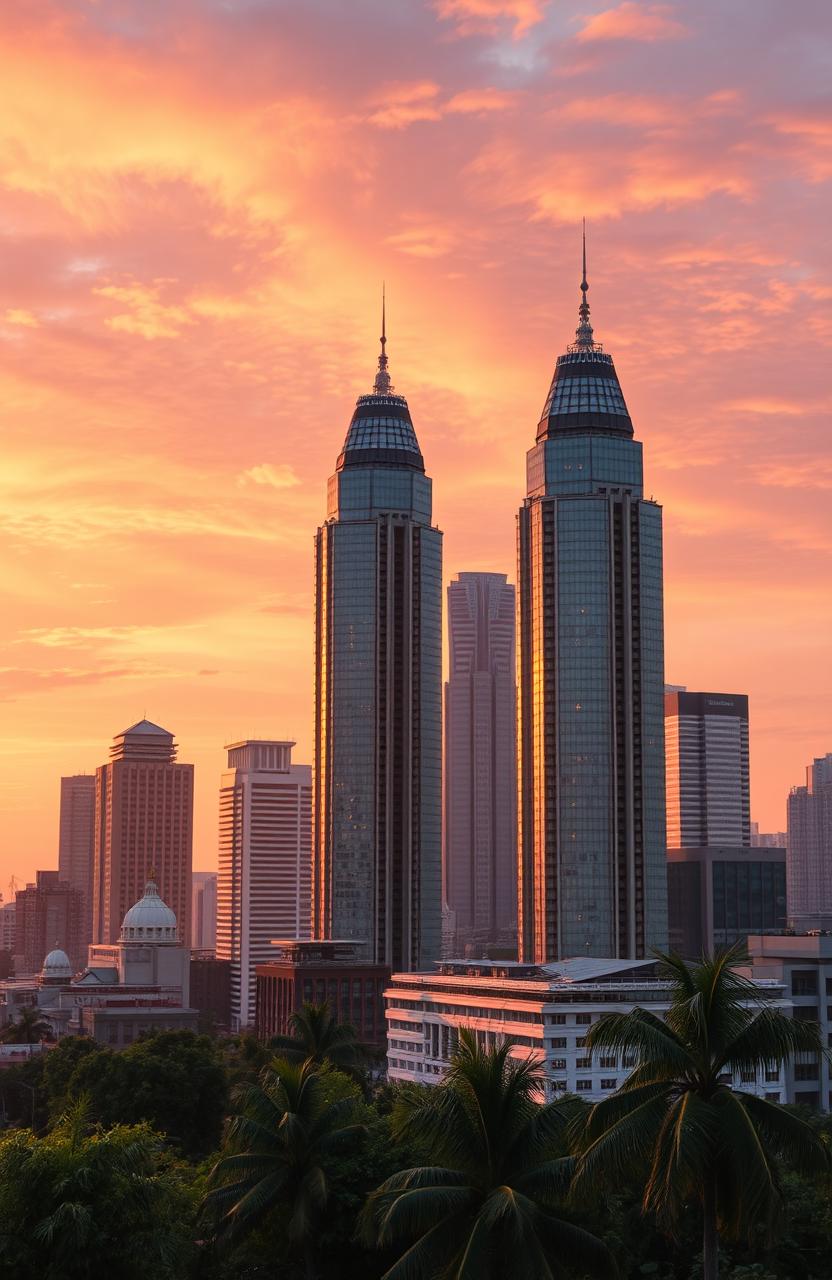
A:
557, 1019
772, 1097
772, 1075
580, 1042
629, 1060
583, 1019
559, 1086
608, 1084
558, 1064
747, 1077
609, 1062
805, 1071
557, 1042
805, 1013
583, 1086
583, 1063
804, 982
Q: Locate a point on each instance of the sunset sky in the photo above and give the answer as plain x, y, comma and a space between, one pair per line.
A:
199, 200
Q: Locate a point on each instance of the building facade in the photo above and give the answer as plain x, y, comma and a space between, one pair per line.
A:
204, 910
378, 693
144, 804
545, 1010
707, 769
767, 839
49, 914
591, 818
802, 963
480, 795
211, 990
76, 844
317, 972
264, 882
809, 862
717, 896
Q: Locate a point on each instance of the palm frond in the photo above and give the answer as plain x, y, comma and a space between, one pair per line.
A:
770, 1038
787, 1135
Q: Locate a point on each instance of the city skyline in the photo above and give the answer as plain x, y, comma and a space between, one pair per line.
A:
172, 309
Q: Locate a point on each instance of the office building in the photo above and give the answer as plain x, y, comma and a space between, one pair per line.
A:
546, 1011
76, 843
767, 839
204, 910
8, 927
318, 972
263, 887
802, 963
144, 802
378, 693
211, 990
591, 822
480, 799
706, 736
49, 914
809, 864
717, 896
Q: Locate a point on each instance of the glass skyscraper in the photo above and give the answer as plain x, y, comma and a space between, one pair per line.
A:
378, 693
591, 822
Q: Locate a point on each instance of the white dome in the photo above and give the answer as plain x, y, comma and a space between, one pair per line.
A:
56, 965
150, 920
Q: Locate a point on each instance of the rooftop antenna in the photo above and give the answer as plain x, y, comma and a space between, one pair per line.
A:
584, 340
382, 385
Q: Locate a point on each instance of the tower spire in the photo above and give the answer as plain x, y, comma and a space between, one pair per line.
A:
382, 385
584, 340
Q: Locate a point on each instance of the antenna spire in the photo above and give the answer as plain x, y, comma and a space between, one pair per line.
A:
584, 340
382, 385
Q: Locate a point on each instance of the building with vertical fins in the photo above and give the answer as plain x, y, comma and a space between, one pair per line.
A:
378, 693
76, 848
591, 820
480, 799
707, 769
809, 858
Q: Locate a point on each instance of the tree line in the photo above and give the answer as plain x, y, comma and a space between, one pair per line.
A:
184, 1156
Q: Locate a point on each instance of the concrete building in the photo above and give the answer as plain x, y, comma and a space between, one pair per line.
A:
211, 990
378, 692
480, 797
590, 658
8, 927
767, 839
204, 910
144, 805
809, 865
707, 770
265, 855
315, 972
76, 846
139, 983
718, 896
48, 914
546, 1010
802, 963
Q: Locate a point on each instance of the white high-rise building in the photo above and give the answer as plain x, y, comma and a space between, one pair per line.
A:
265, 855
707, 770
204, 911
809, 857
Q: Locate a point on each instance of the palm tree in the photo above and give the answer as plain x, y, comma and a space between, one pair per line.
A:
29, 1028
318, 1037
678, 1117
487, 1207
276, 1153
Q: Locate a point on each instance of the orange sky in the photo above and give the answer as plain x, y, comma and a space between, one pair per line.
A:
198, 202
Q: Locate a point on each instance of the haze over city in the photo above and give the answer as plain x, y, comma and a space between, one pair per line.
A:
199, 203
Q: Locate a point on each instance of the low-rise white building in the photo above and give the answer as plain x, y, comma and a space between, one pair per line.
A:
546, 1010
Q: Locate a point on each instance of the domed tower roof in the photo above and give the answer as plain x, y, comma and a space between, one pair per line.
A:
585, 394
150, 919
56, 966
381, 432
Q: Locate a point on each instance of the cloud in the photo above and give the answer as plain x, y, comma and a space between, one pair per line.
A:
479, 101
403, 104
146, 314
631, 21
275, 475
19, 316
478, 16
766, 405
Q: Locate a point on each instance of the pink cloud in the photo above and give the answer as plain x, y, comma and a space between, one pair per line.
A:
631, 21
484, 15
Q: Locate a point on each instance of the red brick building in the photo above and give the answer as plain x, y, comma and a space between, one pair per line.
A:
314, 972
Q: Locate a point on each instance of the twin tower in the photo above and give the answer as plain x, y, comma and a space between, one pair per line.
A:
591, 876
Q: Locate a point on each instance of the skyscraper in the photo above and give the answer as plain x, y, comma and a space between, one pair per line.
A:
707, 772
809, 850
48, 914
480, 836
76, 844
144, 803
263, 887
591, 829
204, 910
378, 692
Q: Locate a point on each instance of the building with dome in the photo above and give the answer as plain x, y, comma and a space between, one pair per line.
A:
138, 984
378, 691
591, 818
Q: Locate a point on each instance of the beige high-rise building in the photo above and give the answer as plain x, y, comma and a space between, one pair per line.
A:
144, 803
265, 861
76, 844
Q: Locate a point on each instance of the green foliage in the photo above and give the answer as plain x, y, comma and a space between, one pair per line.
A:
79, 1204
488, 1207
318, 1038
280, 1140
30, 1027
676, 1123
